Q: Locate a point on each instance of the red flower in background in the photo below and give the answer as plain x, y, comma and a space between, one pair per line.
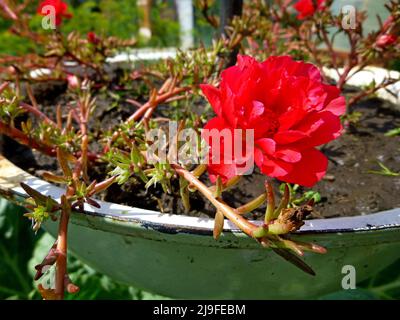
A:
385, 40
290, 110
307, 8
93, 38
60, 9
388, 34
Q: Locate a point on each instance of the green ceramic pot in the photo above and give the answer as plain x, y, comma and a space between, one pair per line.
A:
176, 256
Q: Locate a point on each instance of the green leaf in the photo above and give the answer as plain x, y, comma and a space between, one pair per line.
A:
39, 198
16, 244
385, 171
386, 284
351, 294
312, 195
393, 132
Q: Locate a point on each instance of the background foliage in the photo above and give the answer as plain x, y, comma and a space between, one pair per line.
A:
105, 17
112, 18
21, 250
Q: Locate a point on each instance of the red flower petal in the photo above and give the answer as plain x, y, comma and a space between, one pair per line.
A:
289, 136
334, 102
213, 96
225, 171
270, 166
288, 155
308, 171
268, 146
307, 8
320, 127
221, 162
60, 9
289, 109
292, 67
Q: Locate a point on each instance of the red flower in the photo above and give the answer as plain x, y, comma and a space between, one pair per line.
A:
93, 38
60, 9
290, 110
307, 8
385, 40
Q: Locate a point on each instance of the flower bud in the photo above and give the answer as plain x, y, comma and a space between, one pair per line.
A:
93, 38
73, 81
385, 40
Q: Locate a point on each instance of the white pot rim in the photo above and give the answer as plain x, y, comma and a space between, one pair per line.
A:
11, 176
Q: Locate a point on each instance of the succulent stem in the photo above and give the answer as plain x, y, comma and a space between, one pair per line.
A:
269, 213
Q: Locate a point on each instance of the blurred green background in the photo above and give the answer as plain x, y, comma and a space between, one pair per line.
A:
112, 18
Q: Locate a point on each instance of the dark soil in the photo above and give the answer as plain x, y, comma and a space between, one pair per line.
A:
348, 189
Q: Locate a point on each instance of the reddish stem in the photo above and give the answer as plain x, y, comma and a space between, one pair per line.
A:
331, 50
61, 264
22, 138
37, 113
7, 10
3, 86
151, 105
228, 212
363, 94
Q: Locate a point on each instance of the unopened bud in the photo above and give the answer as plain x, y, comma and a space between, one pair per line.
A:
73, 82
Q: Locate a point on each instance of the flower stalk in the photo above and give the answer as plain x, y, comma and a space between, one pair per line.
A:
226, 210
61, 262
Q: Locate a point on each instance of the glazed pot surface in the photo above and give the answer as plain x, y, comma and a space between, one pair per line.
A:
176, 256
